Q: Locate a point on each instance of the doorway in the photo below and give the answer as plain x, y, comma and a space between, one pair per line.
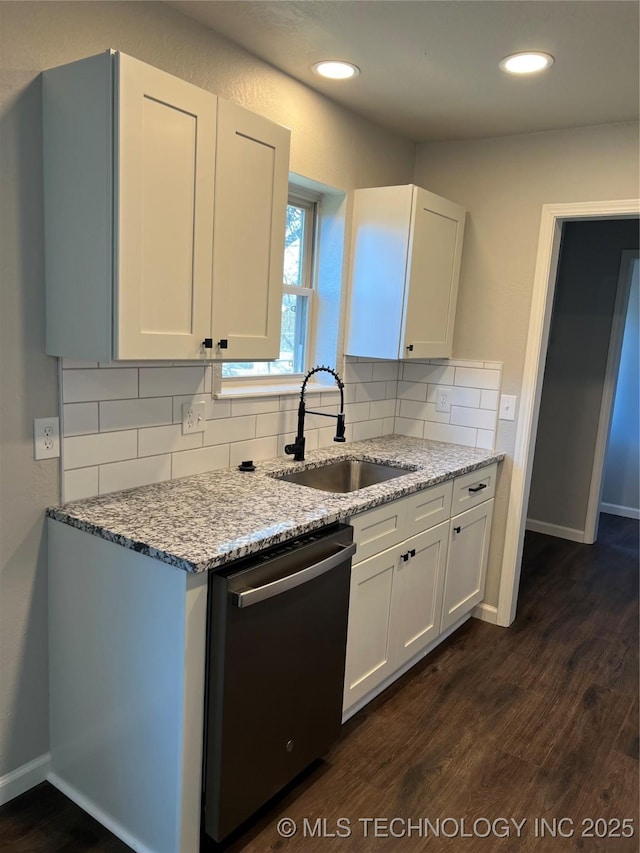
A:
552, 220
581, 367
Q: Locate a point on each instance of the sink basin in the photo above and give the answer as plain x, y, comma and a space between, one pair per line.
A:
344, 476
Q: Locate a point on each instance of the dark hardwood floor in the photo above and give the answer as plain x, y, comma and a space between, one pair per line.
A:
539, 721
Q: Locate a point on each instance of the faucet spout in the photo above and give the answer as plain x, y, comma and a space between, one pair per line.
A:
297, 448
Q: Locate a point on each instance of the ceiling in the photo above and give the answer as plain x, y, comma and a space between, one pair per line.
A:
429, 68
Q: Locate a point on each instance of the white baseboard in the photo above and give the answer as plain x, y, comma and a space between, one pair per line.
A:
486, 613
23, 778
624, 511
96, 812
555, 530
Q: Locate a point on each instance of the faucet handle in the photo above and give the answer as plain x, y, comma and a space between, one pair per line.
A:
339, 436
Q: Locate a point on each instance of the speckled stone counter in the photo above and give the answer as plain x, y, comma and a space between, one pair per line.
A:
201, 522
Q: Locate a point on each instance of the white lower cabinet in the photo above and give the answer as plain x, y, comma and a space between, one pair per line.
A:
417, 572
467, 563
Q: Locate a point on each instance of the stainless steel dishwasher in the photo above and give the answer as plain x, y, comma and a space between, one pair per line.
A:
277, 639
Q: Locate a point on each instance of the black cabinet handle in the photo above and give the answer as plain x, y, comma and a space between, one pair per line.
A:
412, 552
404, 557
478, 488
223, 343
207, 343
410, 347
457, 529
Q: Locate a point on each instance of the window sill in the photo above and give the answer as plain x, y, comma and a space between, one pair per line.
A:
246, 390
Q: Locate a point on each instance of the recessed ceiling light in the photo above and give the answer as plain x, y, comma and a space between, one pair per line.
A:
336, 69
527, 62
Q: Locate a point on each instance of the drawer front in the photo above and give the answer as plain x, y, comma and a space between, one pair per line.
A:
429, 507
473, 488
378, 529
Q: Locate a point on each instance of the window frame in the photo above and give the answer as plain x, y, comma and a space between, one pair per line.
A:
310, 201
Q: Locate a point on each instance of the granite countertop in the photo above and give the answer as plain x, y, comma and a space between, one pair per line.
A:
200, 522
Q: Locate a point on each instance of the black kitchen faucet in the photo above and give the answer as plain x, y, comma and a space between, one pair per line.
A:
297, 448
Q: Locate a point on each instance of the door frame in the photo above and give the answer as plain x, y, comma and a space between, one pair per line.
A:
544, 284
623, 289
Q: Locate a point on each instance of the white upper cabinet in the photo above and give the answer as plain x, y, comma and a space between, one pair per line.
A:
405, 267
252, 174
142, 245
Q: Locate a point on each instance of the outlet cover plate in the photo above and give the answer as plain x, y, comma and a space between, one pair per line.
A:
194, 416
46, 438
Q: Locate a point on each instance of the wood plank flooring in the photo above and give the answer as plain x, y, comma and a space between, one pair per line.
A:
539, 721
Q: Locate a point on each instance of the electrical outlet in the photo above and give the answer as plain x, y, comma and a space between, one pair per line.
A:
443, 400
194, 416
46, 437
507, 407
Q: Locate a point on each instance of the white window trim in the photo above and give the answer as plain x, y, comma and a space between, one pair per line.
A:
289, 383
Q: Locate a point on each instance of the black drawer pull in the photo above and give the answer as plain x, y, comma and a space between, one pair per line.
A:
457, 529
404, 557
478, 488
412, 552
207, 343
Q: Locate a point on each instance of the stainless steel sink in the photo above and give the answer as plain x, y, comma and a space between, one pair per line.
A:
347, 475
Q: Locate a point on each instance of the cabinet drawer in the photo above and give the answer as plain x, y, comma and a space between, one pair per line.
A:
429, 507
473, 488
378, 528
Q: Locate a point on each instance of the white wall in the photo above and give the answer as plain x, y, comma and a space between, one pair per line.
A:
330, 145
503, 183
621, 485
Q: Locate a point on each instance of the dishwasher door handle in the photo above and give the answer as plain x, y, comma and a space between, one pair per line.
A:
270, 590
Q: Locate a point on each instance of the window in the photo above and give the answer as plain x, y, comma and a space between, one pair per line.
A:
297, 296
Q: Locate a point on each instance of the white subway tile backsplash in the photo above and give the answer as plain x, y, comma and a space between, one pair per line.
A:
412, 390
385, 370
80, 483
486, 439
437, 374
87, 385
189, 462
450, 434
169, 381
409, 426
166, 439
479, 418
256, 449
129, 414
127, 419
382, 409
371, 391
275, 423
489, 399
135, 472
226, 430
260, 406
354, 412
476, 377
368, 429
80, 418
358, 371
85, 450
413, 409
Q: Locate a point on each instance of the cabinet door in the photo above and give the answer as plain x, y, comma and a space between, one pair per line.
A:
252, 171
417, 592
467, 562
369, 653
435, 250
165, 152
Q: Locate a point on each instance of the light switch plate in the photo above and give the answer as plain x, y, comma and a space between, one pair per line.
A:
507, 407
194, 416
